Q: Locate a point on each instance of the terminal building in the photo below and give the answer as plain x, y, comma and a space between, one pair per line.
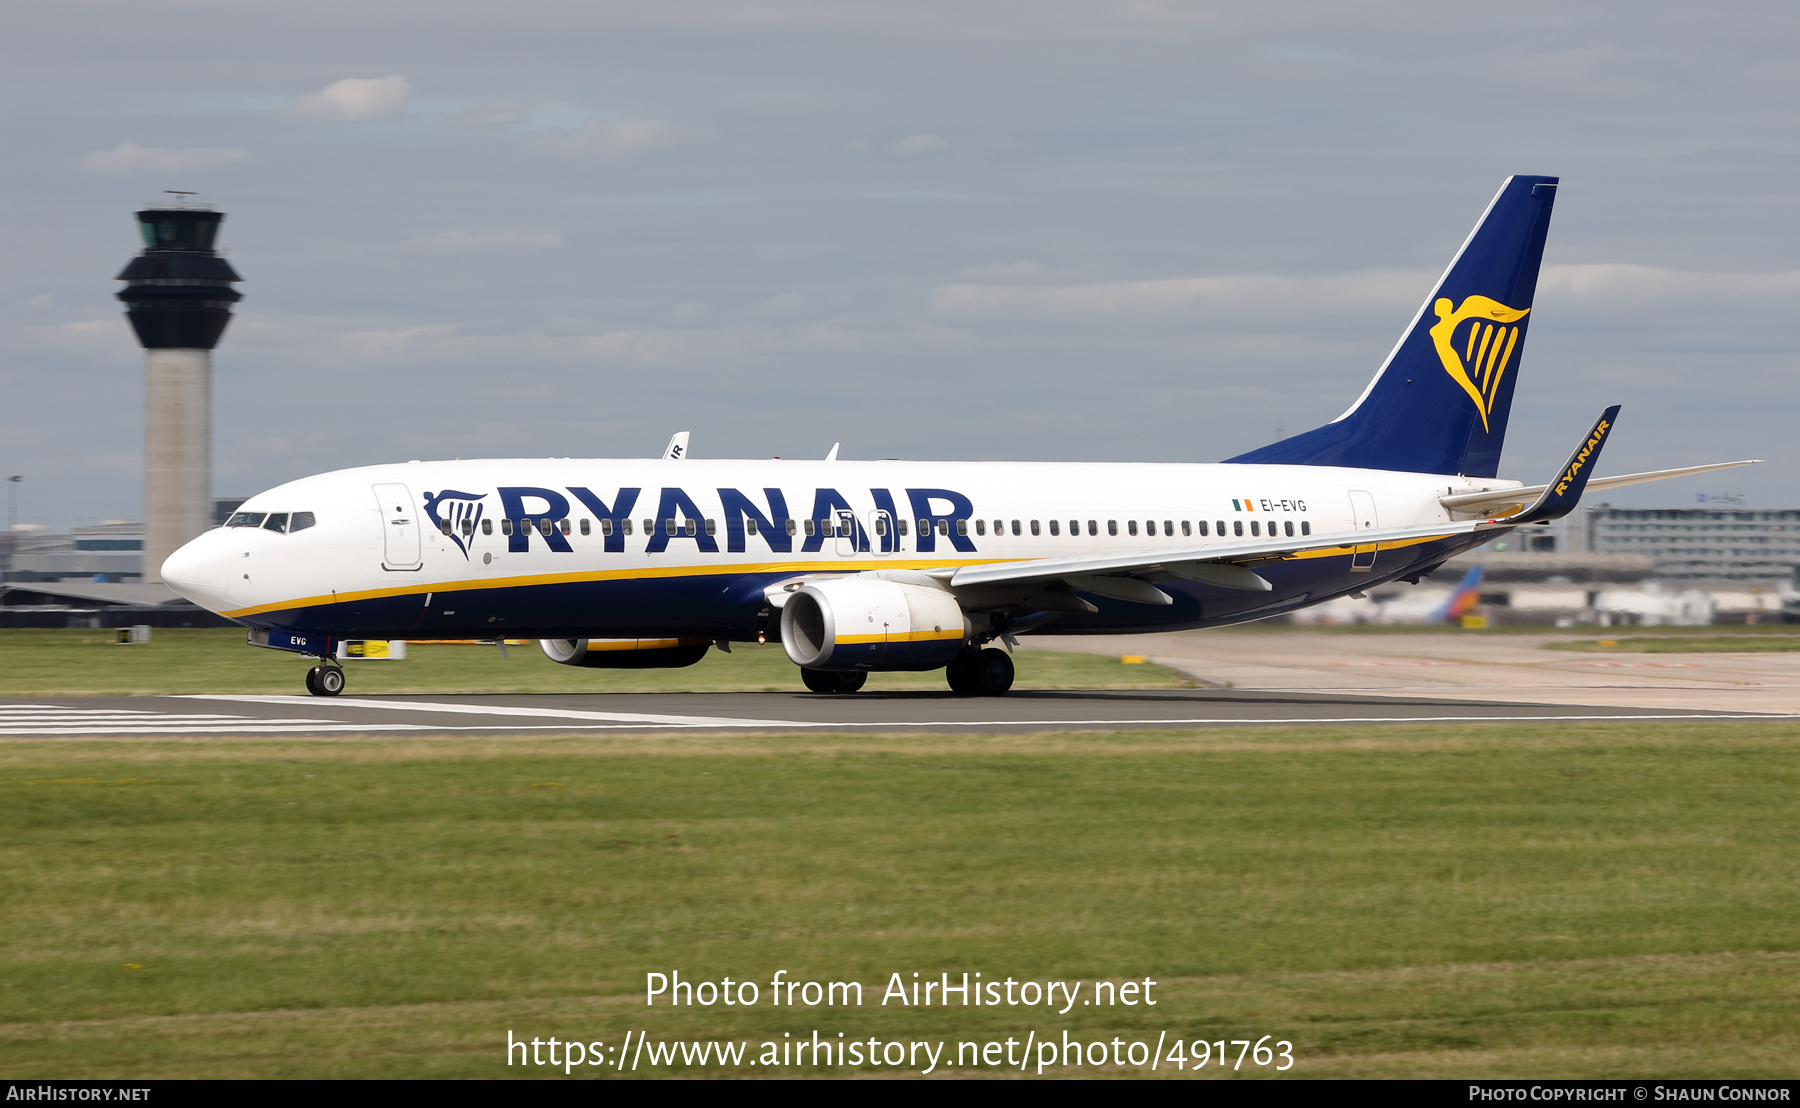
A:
109, 552
1630, 567
1701, 545
91, 576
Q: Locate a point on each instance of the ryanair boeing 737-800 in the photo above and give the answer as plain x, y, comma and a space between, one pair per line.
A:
863, 566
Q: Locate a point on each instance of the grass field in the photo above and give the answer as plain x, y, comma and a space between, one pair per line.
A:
182, 660
1774, 640
1273, 627
1528, 900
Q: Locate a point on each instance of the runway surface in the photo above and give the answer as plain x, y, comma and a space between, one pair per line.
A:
177, 716
1510, 669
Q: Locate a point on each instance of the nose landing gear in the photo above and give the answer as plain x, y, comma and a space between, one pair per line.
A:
325, 679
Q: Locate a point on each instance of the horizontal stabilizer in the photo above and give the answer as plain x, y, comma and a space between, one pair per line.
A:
1495, 502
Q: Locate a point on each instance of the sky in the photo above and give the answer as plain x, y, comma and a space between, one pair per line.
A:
1144, 231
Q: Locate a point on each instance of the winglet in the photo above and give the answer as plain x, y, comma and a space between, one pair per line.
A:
677, 448
1563, 493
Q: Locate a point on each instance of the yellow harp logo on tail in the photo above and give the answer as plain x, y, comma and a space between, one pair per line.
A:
1477, 356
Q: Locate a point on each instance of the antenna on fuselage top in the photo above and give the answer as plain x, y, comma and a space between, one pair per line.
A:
832, 457
677, 448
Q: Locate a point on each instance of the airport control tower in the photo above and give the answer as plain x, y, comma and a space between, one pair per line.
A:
178, 296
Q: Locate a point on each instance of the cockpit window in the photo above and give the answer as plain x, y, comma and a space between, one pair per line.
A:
245, 519
277, 521
300, 521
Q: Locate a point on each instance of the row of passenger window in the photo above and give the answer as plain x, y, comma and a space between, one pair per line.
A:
284, 522
844, 529
1189, 528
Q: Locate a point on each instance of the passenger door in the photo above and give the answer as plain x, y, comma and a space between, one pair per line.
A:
844, 523
1363, 518
399, 527
883, 539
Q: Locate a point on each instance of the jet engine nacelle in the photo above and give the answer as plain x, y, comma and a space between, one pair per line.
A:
849, 623
625, 653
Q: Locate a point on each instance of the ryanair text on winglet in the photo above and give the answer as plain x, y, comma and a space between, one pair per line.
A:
1581, 456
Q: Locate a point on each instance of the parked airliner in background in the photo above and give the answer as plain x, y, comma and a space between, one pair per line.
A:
1463, 600
863, 566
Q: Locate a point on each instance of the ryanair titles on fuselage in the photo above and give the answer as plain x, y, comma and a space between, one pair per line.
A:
932, 514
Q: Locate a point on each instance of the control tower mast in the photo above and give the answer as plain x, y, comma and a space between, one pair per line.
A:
178, 296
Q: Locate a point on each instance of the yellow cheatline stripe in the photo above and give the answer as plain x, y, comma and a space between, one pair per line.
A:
905, 636
642, 574
1341, 551
642, 644
706, 571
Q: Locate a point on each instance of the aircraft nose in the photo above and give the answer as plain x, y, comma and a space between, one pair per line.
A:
197, 572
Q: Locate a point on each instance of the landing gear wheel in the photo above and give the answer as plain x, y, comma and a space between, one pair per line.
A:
833, 681
961, 674
324, 680
992, 672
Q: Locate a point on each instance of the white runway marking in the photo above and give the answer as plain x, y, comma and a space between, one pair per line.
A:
620, 720
51, 720
503, 710
54, 719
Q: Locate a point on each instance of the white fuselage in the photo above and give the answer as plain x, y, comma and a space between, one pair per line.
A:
657, 547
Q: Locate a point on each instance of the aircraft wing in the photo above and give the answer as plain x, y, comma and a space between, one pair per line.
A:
1506, 501
1229, 565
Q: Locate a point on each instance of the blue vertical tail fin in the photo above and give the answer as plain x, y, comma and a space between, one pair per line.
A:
1440, 402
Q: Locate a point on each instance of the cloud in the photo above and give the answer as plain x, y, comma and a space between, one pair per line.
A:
1006, 271
606, 138
488, 242
128, 158
87, 338
355, 344
352, 100
495, 113
919, 144
1613, 287
1628, 285
1255, 294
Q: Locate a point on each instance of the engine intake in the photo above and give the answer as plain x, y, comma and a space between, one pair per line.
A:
863, 623
625, 653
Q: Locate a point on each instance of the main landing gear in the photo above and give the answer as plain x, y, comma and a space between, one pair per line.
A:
974, 673
986, 672
833, 680
325, 679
